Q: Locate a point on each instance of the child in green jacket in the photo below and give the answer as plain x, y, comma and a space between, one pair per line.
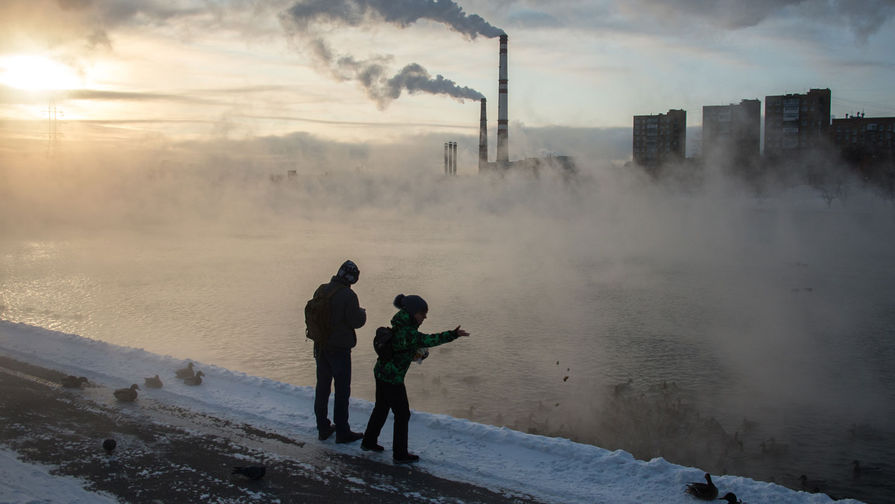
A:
391, 394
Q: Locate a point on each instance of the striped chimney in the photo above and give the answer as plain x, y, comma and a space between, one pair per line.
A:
446, 149
503, 154
483, 137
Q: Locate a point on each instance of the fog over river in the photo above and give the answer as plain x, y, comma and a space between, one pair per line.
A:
741, 333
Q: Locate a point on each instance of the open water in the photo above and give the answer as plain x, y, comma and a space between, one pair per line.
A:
752, 337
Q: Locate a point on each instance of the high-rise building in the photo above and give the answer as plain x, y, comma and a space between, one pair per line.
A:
865, 139
660, 138
731, 133
796, 123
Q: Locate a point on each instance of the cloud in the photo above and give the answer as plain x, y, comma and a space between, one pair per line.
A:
52, 23
863, 18
104, 95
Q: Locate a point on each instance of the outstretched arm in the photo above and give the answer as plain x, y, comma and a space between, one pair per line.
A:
431, 340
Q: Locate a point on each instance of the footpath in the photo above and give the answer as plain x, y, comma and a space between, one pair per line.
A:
168, 454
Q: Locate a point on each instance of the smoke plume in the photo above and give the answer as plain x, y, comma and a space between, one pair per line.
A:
301, 20
357, 12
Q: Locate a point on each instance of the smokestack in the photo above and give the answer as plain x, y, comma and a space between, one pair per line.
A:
446, 162
453, 158
483, 137
503, 155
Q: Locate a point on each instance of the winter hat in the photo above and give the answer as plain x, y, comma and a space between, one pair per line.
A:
348, 272
412, 304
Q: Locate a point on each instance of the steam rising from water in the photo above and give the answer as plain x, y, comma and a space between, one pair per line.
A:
770, 308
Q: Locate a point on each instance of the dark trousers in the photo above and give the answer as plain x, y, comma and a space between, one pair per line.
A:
389, 396
333, 365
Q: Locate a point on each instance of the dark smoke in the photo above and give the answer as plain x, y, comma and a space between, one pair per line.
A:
401, 13
415, 78
299, 21
372, 75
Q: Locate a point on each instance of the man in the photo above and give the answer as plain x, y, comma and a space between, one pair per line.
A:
334, 357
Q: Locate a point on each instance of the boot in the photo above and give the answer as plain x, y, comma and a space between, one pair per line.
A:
406, 458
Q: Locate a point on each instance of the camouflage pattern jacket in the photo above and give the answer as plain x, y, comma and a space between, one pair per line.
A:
406, 340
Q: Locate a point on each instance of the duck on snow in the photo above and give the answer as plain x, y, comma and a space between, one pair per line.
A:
127, 394
186, 372
704, 491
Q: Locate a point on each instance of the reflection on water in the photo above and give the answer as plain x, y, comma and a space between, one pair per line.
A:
769, 369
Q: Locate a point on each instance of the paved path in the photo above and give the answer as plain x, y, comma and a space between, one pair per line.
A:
167, 454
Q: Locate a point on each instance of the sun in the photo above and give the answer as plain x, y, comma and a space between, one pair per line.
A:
32, 72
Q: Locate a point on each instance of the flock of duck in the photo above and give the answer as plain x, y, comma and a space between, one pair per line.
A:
188, 375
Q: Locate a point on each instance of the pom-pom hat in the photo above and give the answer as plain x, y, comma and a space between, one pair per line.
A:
412, 304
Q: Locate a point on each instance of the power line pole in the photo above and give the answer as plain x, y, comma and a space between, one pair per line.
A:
53, 133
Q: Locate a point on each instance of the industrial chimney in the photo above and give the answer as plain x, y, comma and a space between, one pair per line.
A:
447, 157
450, 158
503, 155
483, 138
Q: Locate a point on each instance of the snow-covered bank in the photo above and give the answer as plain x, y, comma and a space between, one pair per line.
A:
551, 469
24, 482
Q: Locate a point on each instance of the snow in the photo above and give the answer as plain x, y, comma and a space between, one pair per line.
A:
550, 469
21, 482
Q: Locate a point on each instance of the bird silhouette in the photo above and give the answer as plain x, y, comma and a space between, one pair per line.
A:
109, 445
154, 382
186, 372
127, 394
250, 472
704, 491
196, 379
731, 498
74, 381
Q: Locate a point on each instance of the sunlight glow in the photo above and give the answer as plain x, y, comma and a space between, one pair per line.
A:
32, 72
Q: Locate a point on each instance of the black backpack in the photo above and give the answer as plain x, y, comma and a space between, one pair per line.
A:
318, 314
382, 343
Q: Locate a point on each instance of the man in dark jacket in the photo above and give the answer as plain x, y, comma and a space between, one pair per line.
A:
334, 357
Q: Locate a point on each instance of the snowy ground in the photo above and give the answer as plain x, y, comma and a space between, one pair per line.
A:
21, 482
549, 469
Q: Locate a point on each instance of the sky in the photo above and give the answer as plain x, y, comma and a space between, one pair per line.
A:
501, 459
360, 75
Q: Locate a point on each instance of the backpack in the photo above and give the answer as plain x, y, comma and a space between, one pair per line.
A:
318, 314
382, 343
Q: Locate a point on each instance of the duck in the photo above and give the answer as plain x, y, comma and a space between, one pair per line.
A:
186, 372
195, 379
731, 498
127, 394
251, 472
154, 382
704, 491
74, 381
